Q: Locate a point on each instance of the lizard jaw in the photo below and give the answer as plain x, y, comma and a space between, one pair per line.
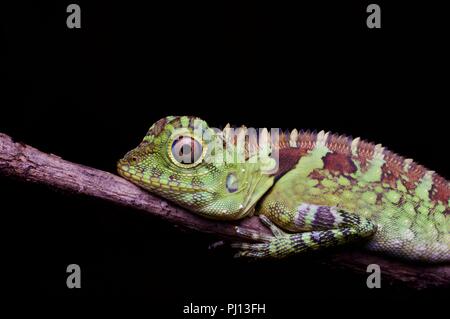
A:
155, 183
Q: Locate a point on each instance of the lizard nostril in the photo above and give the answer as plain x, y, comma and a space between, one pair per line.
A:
133, 160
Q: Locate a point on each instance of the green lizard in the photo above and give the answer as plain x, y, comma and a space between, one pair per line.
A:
327, 189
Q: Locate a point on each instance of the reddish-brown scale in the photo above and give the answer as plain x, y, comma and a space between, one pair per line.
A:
440, 191
365, 154
307, 141
392, 169
340, 163
159, 126
414, 175
315, 174
388, 178
284, 140
339, 144
288, 158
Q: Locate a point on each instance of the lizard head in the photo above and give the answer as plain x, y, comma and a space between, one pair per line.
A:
181, 160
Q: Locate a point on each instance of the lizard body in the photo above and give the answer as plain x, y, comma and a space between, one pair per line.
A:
327, 190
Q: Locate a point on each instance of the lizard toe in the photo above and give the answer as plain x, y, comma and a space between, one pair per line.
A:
276, 231
260, 250
253, 235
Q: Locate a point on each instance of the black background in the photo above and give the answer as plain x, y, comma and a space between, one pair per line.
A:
90, 94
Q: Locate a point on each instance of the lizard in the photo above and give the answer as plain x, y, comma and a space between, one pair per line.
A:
327, 190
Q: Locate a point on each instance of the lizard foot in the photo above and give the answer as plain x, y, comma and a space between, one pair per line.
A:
268, 245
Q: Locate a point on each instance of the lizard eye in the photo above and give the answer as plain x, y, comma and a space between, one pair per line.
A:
232, 183
186, 151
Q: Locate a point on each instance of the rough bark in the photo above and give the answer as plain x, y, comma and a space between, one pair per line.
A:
31, 165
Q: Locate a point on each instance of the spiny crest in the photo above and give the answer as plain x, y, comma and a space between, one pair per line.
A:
252, 140
306, 140
395, 166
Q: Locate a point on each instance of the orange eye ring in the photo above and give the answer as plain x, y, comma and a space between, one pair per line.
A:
186, 151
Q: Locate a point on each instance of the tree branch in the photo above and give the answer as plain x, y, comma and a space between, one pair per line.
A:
31, 165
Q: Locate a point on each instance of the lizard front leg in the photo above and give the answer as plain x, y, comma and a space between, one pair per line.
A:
323, 226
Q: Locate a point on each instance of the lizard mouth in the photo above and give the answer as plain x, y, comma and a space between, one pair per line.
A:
154, 183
